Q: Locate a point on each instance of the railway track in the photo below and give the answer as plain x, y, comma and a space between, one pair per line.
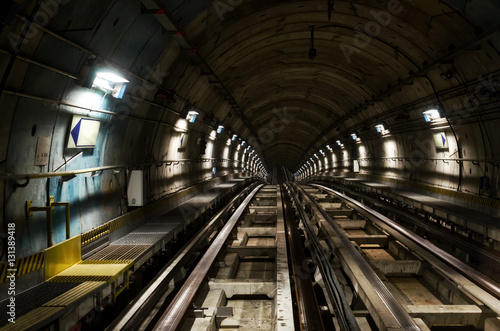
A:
289, 257
432, 287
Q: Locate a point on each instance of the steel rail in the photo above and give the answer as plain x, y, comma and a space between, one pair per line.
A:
428, 227
344, 314
397, 310
133, 315
464, 269
309, 313
173, 316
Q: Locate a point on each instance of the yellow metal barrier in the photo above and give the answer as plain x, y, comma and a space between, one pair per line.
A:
62, 256
98, 271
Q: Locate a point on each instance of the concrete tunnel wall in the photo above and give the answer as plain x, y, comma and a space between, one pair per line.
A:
42, 89
124, 137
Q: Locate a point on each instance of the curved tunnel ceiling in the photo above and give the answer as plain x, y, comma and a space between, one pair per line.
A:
259, 49
372, 60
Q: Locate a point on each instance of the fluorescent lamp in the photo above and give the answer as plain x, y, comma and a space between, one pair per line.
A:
191, 116
431, 115
111, 77
228, 142
380, 128
339, 142
354, 136
234, 137
111, 82
102, 83
220, 128
212, 136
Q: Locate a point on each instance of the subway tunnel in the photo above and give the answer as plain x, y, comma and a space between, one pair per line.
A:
119, 112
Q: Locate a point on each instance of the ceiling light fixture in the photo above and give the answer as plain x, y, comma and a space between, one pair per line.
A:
431, 114
212, 135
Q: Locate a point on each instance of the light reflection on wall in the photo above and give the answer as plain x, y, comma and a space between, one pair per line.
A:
236, 158
390, 149
86, 98
345, 158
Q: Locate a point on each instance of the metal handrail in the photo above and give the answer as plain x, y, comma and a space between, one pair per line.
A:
407, 158
110, 167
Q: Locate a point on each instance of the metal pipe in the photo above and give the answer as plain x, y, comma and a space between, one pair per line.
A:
24, 58
27, 24
68, 223
49, 210
121, 166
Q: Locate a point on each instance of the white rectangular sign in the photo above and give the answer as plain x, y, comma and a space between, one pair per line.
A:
42, 151
83, 132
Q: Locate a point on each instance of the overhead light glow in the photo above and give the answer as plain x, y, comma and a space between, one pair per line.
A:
339, 143
354, 136
220, 128
234, 137
181, 125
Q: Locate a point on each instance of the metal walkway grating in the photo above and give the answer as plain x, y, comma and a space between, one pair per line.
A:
143, 238
95, 271
75, 294
120, 252
35, 297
